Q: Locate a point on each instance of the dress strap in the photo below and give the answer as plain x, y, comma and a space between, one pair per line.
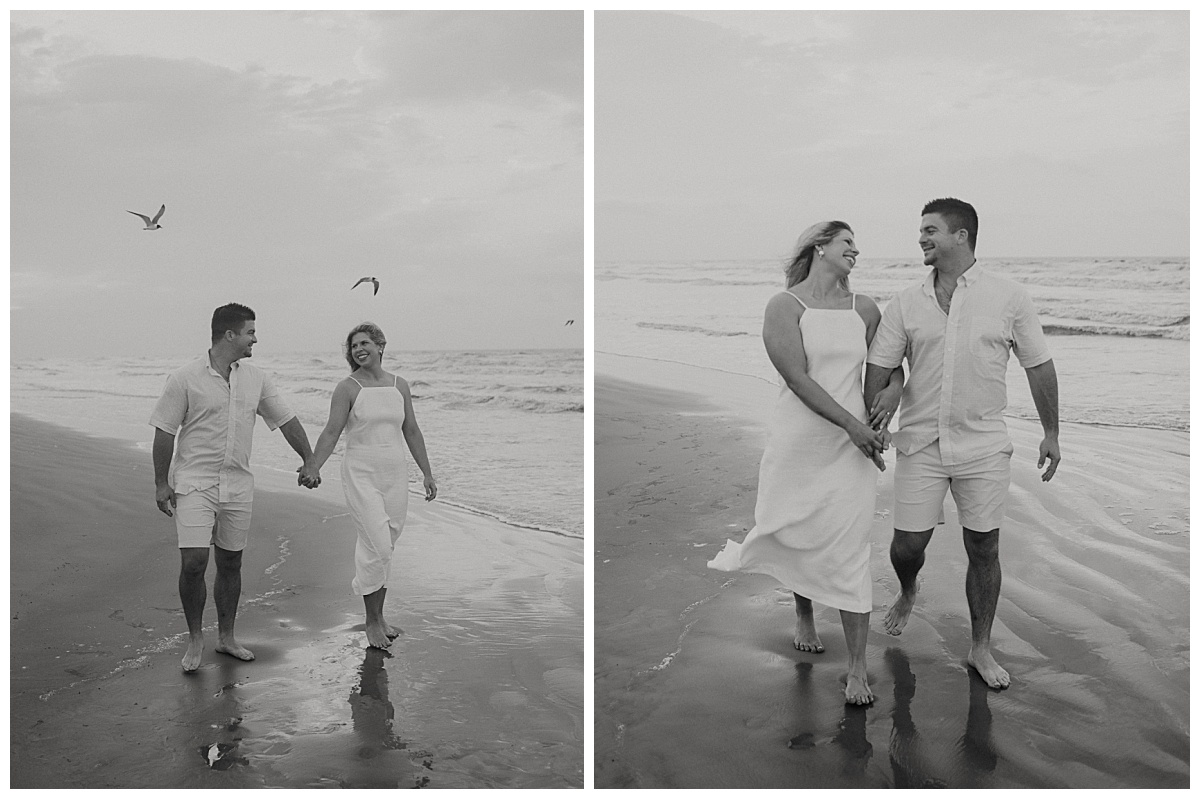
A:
797, 299
396, 381
853, 301
360, 385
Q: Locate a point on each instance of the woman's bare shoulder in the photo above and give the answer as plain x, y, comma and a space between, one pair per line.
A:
400, 382
785, 302
867, 306
347, 385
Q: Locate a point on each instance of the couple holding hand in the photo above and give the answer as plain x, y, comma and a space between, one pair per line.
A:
817, 478
204, 427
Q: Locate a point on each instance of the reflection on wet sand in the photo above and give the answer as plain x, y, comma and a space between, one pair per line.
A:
379, 761
220, 715
850, 739
978, 752
912, 765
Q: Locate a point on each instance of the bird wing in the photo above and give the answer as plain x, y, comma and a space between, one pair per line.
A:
143, 216
154, 221
361, 280
376, 291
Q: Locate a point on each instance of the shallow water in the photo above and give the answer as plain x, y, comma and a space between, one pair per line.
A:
1118, 329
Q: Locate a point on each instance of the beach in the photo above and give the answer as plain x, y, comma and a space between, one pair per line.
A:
696, 680
484, 688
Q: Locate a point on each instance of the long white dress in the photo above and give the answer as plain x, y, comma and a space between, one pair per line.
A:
816, 490
375, 480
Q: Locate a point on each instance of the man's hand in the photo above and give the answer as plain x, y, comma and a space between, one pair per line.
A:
164, 497
868, 441
885, 405
309, 477
1049, 451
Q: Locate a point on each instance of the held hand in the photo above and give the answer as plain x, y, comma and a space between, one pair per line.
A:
430, 488
309, 477
164, 497
869, 442
885, 405
1049, 451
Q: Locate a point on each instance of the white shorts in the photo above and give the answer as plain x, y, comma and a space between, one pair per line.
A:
201, 520
979, 487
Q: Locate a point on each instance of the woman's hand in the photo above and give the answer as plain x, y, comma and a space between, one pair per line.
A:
869, 442
309, 477
430, 488
885, 405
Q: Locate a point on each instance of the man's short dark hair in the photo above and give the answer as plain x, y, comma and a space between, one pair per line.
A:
230, 317
958, 215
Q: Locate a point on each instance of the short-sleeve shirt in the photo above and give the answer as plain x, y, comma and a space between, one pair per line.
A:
213, 424
956, 391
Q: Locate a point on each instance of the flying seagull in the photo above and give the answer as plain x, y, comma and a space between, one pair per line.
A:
364, 280
151, 224
570, 322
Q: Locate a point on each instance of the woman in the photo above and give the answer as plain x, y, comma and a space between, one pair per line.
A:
816, 487
375, 409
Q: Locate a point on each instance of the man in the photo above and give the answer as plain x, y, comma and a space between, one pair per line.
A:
956, 328
209, 405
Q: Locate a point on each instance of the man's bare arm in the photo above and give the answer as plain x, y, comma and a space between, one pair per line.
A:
164, 448
1043, 385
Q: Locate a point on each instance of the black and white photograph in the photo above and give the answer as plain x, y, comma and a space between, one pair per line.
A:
891, 410
366, 228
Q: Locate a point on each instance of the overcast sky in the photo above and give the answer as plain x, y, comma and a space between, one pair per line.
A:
722, 135
296, 152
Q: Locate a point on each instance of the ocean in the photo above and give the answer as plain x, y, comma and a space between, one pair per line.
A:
1118, 327
503, 428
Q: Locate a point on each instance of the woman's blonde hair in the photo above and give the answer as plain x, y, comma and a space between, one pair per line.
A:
816, 235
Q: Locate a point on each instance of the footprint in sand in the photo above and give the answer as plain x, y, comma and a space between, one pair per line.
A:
802, 741
221, 756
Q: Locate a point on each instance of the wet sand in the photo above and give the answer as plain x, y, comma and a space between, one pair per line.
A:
483, 689
698, 685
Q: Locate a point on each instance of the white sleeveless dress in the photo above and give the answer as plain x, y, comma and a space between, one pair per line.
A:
816, 490
375, 480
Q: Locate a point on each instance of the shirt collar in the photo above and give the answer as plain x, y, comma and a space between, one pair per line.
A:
972, 275
207, 358
967, 278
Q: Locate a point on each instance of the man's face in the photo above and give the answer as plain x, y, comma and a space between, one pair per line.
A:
936, 240
243, 341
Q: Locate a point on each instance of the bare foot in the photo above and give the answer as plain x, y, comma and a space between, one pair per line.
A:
806, 639
857, 690
191, 658
392, 632
377, 636
235, 649
991, 672
897, 615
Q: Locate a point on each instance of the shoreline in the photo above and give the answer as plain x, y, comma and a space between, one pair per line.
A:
316, 708
697, 684
140, 439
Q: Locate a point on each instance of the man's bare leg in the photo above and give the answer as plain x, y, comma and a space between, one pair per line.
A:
856, 626
908, 556
193, 593
983, 591
228, 590
806, 639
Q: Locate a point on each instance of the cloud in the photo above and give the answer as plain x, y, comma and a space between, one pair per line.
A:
717, 131
455, 55
442, 151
